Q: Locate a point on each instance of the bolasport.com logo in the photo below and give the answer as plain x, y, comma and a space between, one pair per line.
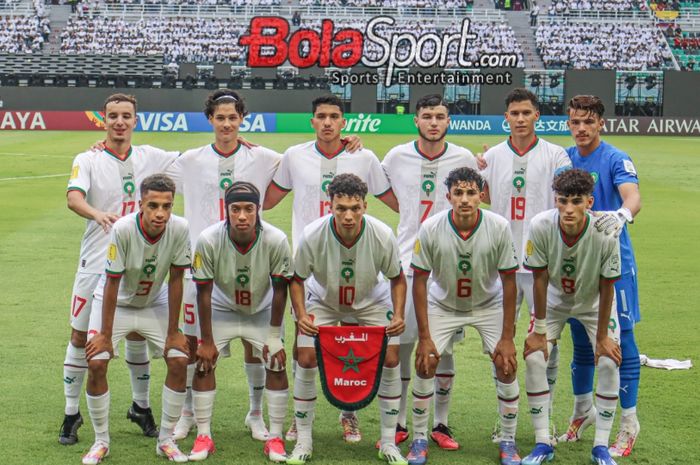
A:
381, 45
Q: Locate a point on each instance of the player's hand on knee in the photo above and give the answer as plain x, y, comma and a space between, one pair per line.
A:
275, 359
608, 348
98, 344
246, 143
176, 341
396, 326
306, 325
535, 342
427, 357
352, 143
505, 356
207, 354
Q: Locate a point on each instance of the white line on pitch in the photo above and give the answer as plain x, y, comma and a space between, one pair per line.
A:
21, 178
18, 154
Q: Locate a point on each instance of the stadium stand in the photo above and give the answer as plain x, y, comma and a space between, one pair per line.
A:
399, 4
589, 45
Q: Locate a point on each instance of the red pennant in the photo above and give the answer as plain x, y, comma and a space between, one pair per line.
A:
350, 360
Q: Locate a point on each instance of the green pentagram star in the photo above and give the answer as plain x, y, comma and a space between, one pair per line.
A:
351, 361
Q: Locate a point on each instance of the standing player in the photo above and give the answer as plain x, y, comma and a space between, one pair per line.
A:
363, 247
470, 255
519, 175
414, 170
202, 176
574, 267
145, 248
104, 186
242, 267
308, 169
616, 191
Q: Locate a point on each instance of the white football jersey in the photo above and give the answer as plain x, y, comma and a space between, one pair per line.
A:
242, 277
465, 269
144, 262
520, 184
203, 174
419, 185
307, 171
112, 185
574, 268
346, 276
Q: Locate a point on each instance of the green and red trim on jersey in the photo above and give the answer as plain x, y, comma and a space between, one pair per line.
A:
181, 267
144, 234
535, 268
578, 236
223, 154
470, 233
416, 145
298, 278
114, 154
418, 269
327, 155
247, 248
74, 188
277, 186
509, 270
280, 278
333, 227
114, 274
613, 279
524, 152
202, 280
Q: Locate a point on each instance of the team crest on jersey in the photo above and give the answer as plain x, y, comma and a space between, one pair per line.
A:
464, 266
197, 262
519, 182
327, 178
629, 167
242, 279
594, 175
529, 247
225, 183
112, 252
149, 269
569, 266
428, 187
347, 272
129, 187
74, 172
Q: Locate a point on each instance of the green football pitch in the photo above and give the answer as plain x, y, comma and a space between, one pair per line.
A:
39, 242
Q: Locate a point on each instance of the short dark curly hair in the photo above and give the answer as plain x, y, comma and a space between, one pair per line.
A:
521, 95
347, 184
464, 174
573, 182
588, 103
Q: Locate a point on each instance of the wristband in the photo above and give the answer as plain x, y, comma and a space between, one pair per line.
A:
540, 326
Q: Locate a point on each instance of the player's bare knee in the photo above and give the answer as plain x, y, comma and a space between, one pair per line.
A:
97, 369
391, 359
78, 338
306, 358
192, 346
276, 380
503, 377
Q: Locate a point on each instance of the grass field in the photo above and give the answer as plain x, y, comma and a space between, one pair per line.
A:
39, 242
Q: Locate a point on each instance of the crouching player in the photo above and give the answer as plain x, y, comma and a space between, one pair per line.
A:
580, 264
470, 254
242, 267
144, 247
339, 259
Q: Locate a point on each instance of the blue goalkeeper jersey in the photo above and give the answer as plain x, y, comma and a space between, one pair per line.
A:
610, 167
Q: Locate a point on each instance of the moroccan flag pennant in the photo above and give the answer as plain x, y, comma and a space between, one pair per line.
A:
350, 359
